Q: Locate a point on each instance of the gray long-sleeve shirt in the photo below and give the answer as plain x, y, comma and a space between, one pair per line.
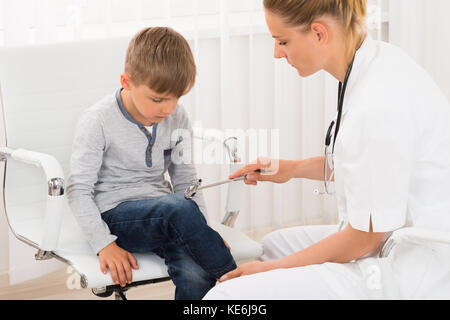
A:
116, 159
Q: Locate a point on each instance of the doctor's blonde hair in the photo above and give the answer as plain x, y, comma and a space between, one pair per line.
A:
302, 13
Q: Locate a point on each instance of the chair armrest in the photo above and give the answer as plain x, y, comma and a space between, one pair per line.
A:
55, 196
414, 234
48, 163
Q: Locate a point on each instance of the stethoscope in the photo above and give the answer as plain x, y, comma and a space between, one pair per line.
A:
329, 151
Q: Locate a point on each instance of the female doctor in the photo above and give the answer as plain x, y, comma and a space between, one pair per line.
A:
387, 162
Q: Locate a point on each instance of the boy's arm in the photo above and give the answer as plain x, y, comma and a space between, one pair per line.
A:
85, 163
182, 170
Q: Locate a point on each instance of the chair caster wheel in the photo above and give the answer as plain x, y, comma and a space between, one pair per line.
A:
102, 292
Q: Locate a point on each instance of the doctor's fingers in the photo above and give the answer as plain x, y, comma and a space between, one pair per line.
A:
252, 178
244, 170
261, 164
231, 275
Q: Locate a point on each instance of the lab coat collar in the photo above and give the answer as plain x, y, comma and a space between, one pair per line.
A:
364, 55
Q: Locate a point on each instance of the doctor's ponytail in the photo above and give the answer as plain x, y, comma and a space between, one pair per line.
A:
350, 13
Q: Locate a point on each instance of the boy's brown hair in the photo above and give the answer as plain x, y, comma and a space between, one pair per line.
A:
161, 59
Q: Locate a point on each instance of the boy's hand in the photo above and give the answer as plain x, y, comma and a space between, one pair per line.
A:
119, 263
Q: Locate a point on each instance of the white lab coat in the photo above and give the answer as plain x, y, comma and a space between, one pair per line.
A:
392, 165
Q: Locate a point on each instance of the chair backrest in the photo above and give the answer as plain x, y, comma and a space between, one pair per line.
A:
44, 90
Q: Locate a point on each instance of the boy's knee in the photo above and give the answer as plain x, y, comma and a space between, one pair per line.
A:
184, 210
192, 272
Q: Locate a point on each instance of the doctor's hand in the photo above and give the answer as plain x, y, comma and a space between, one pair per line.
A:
119, 262
273, 170
247, 269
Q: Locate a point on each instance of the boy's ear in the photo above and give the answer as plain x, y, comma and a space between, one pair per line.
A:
125, 81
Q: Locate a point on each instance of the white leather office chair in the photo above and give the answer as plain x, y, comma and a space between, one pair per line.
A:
44, 90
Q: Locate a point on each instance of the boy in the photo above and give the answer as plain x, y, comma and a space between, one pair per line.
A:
122, 148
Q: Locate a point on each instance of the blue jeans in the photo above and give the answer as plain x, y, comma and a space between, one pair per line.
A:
175, 229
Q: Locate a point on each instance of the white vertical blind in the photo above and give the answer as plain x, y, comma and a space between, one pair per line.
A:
226, 110
17, 22
45, 21
422, 29
407, 26
108, 15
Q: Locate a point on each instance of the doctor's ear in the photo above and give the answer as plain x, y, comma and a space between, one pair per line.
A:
320, 32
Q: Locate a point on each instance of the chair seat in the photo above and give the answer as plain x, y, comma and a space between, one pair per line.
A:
27, 221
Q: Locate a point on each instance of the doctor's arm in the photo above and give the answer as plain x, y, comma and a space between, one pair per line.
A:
341, 247
281, 171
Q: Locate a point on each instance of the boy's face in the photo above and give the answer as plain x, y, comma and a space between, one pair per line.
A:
145, 105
